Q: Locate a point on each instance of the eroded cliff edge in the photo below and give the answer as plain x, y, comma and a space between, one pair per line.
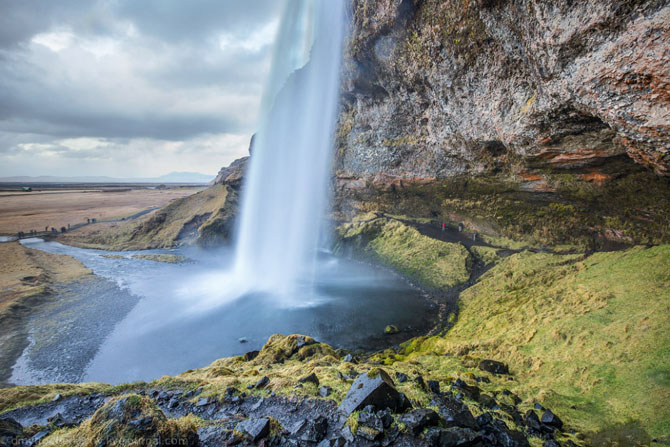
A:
523, 104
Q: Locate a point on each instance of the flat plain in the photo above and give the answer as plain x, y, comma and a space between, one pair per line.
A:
59, 207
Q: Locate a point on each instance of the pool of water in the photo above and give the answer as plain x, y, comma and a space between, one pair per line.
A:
140, 319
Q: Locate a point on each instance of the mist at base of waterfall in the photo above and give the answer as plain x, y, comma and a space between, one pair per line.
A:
184, 316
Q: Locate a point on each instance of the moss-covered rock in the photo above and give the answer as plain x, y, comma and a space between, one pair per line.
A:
435, 264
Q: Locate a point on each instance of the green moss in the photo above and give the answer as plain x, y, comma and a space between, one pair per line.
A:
590, 333
488, 255
434, 263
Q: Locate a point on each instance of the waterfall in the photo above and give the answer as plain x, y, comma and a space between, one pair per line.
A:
286, 187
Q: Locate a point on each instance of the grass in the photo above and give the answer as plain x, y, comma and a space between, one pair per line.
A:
586, 337
434, 263
167, 258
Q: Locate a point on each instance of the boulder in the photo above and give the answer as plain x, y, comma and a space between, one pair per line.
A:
254, 428
434, 386
419, 419
249, 356
325, 391
312, 378
550, 419
262, 383
373, 388
493, 367
456, 414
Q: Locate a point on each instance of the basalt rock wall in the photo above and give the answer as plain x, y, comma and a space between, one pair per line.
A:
442, 88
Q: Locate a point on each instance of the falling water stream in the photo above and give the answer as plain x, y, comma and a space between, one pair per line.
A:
285, 193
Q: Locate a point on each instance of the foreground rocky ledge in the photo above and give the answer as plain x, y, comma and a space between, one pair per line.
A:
310, 410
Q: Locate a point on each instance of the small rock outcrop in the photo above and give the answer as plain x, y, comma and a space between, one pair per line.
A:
373, 388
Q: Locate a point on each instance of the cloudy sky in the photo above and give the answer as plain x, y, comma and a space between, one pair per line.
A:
130, 88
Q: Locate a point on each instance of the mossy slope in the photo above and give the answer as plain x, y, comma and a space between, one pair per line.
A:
435, 264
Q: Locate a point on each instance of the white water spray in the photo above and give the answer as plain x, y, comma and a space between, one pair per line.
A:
286, 188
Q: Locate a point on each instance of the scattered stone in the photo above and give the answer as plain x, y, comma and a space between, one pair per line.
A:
254, 428
391, 329
488, 401
265, 381
402, 378
373, 388
56, 398
368, 418
538, 407
386, 417
451, 437
532, 421
249, 356
419, 419
434, 386
174, 403
348, 358
419, 381
456, 414
484, 419
334, 442
312, 378
549, 418
493, 367
311, 431
325, 391
471, 391
551, 443
203, 401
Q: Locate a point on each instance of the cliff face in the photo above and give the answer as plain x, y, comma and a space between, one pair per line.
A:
441, 88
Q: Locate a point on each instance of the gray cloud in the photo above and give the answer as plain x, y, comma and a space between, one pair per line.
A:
124, 71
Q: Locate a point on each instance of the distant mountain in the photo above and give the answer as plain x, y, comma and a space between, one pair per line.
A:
172, 177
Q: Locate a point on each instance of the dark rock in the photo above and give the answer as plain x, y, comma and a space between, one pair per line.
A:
434, 386
549, 418
249, 356
265, 381
334, 442
368, 418
451, 437
386, 417
243, 340
174, 403
487, 401
141, 424
484, 419
254, 428
532, 421
204, 401
215, 436
419, 419
312, 378
506, 437
551, 443
35, 439
456, 414
373, 388
9, 431
538, 407
312, 430
325, 391
471, 391
493, 367
420, 382
402, 378
348, 358
56, 398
